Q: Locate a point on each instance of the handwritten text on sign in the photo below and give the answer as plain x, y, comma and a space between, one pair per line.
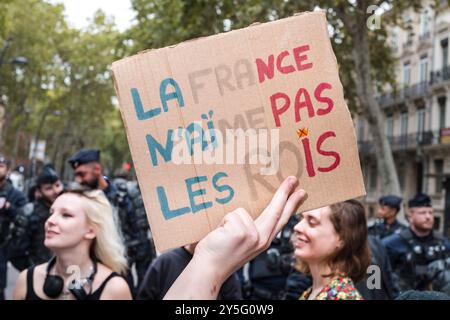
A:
204, 138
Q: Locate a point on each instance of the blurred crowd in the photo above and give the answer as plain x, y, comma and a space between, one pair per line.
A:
100, 225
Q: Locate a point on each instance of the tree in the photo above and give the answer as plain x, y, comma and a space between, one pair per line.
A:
32, 36
65, 93
363, 56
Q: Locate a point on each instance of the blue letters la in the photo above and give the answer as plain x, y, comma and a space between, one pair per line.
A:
138, 107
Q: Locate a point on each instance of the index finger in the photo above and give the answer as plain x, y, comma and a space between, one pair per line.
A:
269, 218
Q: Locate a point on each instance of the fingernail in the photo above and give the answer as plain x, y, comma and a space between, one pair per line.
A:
292, 179
305, 196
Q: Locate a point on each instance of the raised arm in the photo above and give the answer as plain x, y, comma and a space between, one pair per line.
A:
235, 241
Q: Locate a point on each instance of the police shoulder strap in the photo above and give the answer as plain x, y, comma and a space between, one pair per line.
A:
408, 236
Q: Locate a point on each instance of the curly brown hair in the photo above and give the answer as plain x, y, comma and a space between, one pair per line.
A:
353, 257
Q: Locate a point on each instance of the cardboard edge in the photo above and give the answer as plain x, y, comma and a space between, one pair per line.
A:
129, 140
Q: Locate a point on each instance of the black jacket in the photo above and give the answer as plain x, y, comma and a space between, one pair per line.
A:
166, 268
16, 200
383, 270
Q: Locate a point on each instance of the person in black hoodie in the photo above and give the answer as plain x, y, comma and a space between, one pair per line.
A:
166, 268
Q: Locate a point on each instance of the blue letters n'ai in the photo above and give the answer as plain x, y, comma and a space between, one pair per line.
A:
154, 146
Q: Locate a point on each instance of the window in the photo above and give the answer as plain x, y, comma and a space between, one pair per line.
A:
438, 171
404, 123
420, 124
394, 38
423, 69
406, 74
389, 126
424, 22
421, 120
444, 47
409, 27
442, 111
437, 223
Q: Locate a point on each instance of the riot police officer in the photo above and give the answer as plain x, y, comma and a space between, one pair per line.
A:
27, 241
414, 249
386, 222
11, 200
88, 172
141, 250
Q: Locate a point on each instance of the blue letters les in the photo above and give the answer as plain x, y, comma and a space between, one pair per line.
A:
195, 195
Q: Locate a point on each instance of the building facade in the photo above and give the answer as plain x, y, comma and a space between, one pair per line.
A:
417, 116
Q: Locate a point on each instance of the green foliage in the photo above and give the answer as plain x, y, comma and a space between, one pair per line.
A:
165, 22
65, 93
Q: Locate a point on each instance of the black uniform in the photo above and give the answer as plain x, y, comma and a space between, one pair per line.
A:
27, 245
134, 227
165, 270
296, 284
387, 289
16, 200
411, 255
379, 228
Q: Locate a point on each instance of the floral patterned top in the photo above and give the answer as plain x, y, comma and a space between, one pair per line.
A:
339, 288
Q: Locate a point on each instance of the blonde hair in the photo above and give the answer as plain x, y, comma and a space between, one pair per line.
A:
107, 246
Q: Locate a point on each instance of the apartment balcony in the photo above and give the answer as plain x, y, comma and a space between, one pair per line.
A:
387, 99
408, 47
405, 142
425, 40
412, 140
440, 76
414, 92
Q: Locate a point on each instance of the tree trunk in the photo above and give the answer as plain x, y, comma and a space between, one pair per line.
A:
10, 113
372, 111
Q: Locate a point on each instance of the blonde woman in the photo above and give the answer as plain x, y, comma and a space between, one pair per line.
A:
89, 256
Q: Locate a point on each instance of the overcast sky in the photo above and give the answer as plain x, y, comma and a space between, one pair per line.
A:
79, 11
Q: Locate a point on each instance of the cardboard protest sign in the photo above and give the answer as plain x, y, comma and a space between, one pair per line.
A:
217, 123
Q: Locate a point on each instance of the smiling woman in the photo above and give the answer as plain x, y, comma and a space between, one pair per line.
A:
89, 255
331, 245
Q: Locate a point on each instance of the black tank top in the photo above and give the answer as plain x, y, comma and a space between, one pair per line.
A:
31, 294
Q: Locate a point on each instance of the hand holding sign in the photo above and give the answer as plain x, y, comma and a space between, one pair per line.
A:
235, 241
